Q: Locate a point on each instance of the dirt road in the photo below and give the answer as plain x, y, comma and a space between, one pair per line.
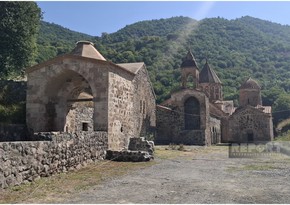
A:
204, 175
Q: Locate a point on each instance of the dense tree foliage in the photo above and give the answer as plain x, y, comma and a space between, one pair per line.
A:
18, 32
55, 40
236, 49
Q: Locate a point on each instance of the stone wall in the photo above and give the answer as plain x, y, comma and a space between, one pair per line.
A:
171, 120
46, 109
169, 123
250, 97
12, 132
249, 122
120, 105
22, 162
80, 118
215, 130
144, 105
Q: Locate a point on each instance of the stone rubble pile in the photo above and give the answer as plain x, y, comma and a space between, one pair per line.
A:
139, 150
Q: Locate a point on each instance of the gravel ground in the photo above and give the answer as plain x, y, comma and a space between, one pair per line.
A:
204, 176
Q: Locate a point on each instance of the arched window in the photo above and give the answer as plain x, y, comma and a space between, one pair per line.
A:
192, 114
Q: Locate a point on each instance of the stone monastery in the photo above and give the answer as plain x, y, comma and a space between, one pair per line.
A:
82, 91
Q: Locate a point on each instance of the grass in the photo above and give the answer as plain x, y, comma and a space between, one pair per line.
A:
284, 137
175, 151
256, 167
55, 188
253, 167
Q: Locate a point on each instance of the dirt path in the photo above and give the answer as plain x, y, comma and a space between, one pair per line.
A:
206, 176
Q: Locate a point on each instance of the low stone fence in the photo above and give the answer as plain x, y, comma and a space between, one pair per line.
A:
22, 162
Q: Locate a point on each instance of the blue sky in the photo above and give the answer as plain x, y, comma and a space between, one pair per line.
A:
95, 17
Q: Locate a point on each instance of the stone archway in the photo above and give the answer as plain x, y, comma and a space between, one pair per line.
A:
70, 106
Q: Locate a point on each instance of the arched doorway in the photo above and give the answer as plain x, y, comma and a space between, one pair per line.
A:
192, 114
250, 136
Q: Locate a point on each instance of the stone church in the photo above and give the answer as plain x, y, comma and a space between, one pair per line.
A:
83, 92
197, 114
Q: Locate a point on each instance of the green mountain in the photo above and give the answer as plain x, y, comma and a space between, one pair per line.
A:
236, 49
55, 40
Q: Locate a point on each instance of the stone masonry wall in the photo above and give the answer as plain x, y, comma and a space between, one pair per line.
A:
170, 120
22, 162
45, 82
169, 123
249, 120
144, 105
120, 105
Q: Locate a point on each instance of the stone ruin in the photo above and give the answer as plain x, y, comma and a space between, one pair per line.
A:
139, 150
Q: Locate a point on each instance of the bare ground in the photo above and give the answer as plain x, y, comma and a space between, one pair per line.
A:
203, 175
200, 175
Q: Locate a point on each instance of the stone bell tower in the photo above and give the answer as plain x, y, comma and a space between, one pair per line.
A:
189, 70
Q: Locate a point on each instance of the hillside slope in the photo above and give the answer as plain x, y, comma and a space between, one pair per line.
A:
236, 49
54, 40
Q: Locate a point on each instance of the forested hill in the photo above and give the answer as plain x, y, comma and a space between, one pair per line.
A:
236, 49
55, 40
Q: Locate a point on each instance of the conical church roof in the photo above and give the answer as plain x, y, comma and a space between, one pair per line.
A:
189, 61
87, 49
208, 75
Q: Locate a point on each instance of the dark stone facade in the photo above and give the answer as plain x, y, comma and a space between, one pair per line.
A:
198, 115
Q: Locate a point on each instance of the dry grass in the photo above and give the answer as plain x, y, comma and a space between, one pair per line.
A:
55, 188
170, 152
253, 167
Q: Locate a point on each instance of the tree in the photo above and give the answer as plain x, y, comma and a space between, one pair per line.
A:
19, 26
281, 108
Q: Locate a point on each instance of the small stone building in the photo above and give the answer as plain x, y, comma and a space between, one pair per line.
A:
82, 91
251, 121
197, 114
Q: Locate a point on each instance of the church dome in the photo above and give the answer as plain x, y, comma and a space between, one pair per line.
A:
250, 84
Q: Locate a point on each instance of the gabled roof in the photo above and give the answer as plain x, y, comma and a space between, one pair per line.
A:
132, 67
87, 49
189, 61
250, 84
208, 75
215, 111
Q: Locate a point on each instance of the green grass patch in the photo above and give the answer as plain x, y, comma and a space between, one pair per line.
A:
283, 137
54, 189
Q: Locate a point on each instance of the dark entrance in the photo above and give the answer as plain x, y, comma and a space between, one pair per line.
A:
250, 137
192, 114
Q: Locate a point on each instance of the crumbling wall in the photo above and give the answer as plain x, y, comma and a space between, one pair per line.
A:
139, 150
22, 162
